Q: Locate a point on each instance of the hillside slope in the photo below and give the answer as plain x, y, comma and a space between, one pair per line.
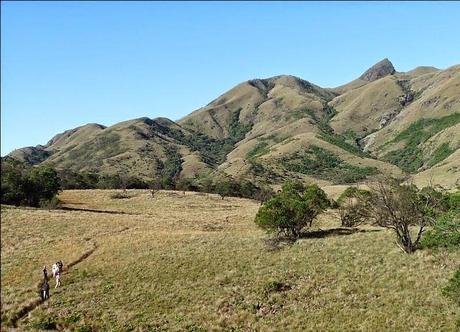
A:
283, 127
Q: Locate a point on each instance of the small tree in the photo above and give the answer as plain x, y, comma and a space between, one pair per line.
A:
351, 211
291, 210
400, 208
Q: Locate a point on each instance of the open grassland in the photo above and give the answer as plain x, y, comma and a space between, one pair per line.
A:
195, 262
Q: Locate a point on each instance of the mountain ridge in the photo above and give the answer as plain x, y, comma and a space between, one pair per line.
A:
253, 126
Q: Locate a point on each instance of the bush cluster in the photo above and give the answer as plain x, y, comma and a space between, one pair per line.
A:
29, 186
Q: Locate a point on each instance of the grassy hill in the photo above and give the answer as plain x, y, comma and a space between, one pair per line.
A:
195, 262
268, 129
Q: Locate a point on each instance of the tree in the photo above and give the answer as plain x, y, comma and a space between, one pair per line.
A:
24, 185
401, 207
292, 209
351, 212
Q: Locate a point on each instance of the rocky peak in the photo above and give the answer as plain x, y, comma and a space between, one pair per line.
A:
379, 70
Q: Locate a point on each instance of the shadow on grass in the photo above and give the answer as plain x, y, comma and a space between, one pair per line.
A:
280, 241
321, 233
66, 208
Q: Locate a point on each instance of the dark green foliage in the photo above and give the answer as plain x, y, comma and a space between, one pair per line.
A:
212, 150
442, 152
410, 158
349, 134
226, 186
259, 150
186, 184
325, 165
339, 141
88, 180
289, 211
452, 290
445, 233
453, 201
30, 186
171, 168
238, 130
45, 324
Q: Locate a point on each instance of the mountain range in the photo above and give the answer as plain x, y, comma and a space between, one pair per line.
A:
283, 127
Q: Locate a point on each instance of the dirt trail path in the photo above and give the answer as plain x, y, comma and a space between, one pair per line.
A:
37, 302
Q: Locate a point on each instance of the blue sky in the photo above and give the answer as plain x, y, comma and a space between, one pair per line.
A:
65, 64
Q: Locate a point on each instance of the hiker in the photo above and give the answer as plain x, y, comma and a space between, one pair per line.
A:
60, 266
45, 290
45, 273
57, 268
58, 279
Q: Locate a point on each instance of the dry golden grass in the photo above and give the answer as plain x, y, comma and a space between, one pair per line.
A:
196, 262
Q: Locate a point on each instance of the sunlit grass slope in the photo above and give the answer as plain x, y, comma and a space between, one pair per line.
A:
195, 262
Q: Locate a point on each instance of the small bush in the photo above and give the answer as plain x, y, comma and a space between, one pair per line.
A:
45, 324
119, 195
453, 200
452, 290
445, 233
274, 286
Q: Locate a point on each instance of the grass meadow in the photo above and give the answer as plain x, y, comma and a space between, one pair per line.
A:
195, 262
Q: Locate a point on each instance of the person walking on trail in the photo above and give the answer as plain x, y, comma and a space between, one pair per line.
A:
45, 290
58, 279
45, 273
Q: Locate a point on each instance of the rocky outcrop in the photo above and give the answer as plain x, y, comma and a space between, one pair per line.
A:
379, 70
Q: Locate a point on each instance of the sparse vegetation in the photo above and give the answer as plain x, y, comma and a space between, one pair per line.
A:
401, 207
452, 290
351, 212
442, 152
259, 150
325, 165
340, 141
410, 158
159, 266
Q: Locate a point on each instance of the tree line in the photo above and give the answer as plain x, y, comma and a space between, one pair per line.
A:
36, 186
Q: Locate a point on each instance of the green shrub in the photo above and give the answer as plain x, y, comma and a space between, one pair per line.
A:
445, 233
452, 290
291, 210
453, 200
442, 152
259, 150
45, 324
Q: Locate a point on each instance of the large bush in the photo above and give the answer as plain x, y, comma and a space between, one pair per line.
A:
292, 209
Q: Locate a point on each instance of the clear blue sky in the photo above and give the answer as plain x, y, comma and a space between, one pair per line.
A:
65, 64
